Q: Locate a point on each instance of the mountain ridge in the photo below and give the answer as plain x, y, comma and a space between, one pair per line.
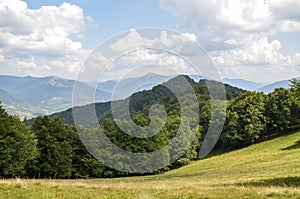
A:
142, 99
278, 84
47, 95
243, 84
50, 94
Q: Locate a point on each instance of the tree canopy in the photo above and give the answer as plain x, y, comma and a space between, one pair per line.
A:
18, 145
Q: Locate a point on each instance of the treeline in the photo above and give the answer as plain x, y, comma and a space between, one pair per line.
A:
254, 115
50, 148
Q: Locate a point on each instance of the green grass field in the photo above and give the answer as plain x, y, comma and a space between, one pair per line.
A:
269, 169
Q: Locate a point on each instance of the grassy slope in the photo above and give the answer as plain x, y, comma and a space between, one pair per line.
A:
266, 170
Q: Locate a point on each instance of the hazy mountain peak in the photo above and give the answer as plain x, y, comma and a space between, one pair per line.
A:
279, 84
57, 82
151, 74
244, 84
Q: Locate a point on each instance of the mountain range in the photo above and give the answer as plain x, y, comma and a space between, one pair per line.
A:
32, 96
244, 84
131, 85
280, 84
143, 100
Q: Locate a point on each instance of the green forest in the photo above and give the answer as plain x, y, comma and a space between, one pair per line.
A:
50, 147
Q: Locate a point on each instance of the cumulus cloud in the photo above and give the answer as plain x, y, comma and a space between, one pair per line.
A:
183, 44
41, 38
258, 59
239, 32
255, 53
232, 18
146, 47
166, 48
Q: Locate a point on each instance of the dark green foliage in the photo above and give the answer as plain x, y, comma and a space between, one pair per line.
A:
131, 143
84, 165
17, 145
201, 88
295, 109
295, 87
283, 109
279, 107
55, 148
206, 114
254, 115
246, 121
61, 152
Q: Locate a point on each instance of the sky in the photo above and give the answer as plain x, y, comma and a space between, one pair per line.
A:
256, 40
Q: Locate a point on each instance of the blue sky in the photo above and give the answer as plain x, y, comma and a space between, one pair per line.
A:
113, 17
255, 40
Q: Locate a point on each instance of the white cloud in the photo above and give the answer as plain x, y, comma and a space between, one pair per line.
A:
288, 26
149, 57
255, 52
241, 30
285, 9
145, 47
259, 60
166, 49
231, 17
143, 61
91, 22
130, 41
41, 38
183, 44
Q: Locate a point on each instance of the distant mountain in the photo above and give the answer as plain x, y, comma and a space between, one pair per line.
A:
8, 98
144, 99
197, 78
18, 107
239, 83
133, 84
243, 84
107, 86
48, 94
145, 82
32, 96
280, 84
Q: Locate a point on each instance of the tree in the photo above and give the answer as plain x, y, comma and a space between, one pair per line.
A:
295, 87
17, 145
279, 105
55, 148
206, 113
295, 109
84, 164
245, 119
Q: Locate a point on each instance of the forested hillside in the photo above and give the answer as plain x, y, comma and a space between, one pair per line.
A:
52, 148
140, 101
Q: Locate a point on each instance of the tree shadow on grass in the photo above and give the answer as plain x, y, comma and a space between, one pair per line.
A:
281, 182
294, 146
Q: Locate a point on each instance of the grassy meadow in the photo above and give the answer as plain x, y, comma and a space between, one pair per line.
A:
269, 169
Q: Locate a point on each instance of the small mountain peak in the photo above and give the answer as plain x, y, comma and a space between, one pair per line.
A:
54, 81
151, 74
54, 77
